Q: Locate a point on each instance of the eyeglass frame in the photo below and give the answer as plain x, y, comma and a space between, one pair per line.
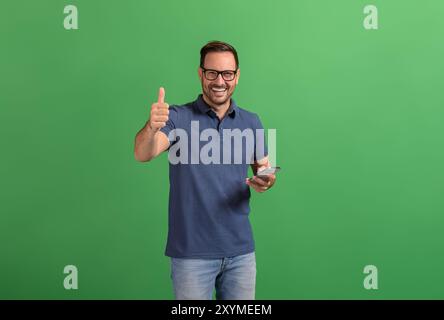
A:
204, 70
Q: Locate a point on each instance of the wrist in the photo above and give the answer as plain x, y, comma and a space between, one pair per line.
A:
149, 130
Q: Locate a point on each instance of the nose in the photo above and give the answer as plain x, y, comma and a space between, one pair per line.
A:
219, 80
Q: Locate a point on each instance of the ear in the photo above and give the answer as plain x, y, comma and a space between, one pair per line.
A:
238, 76
200, 73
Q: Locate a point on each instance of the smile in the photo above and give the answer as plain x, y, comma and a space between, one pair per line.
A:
219, 89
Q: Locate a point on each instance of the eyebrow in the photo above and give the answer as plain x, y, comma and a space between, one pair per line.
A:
218, 70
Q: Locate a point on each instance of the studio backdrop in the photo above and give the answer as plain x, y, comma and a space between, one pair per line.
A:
353, 88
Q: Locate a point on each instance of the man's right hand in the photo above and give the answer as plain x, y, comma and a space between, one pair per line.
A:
159, 112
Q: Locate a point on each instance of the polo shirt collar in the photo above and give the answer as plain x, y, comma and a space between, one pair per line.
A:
205, 108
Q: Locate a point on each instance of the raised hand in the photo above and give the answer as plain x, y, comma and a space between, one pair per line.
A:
159, 112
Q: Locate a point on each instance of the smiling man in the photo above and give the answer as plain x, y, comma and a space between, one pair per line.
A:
210, 240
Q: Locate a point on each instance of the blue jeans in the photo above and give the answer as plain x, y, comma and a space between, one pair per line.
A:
234, 278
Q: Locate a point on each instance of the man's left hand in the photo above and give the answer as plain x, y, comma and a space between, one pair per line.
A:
261, 184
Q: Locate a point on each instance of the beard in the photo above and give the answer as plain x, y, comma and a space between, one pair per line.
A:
218, 94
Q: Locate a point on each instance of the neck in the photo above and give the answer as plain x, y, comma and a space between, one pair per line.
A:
220, 110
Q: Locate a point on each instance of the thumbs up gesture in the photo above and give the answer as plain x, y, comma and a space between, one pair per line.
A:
159, 112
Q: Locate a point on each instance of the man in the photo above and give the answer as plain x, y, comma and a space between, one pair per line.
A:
210, 240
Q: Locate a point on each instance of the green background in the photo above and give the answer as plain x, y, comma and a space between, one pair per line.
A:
359, 119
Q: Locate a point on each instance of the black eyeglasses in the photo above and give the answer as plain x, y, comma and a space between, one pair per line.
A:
227, 75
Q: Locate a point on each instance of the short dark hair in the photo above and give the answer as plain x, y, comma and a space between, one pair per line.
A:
217, 46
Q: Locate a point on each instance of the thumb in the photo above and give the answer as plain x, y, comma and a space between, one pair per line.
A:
161, 98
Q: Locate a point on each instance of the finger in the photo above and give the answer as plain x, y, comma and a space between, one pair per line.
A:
250, 183
269, 179
161, 98
162, 112
162, 106
161, 119
260, 189
266, 179
158, 124
257, 185
259, 181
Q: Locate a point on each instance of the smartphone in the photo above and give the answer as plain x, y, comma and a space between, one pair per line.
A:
263, 174
267, 171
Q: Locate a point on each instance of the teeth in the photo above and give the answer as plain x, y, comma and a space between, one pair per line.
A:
218, 89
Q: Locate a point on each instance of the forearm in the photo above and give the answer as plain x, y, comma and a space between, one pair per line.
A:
146, 144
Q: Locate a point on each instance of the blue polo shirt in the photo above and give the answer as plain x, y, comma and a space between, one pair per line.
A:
209, 202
